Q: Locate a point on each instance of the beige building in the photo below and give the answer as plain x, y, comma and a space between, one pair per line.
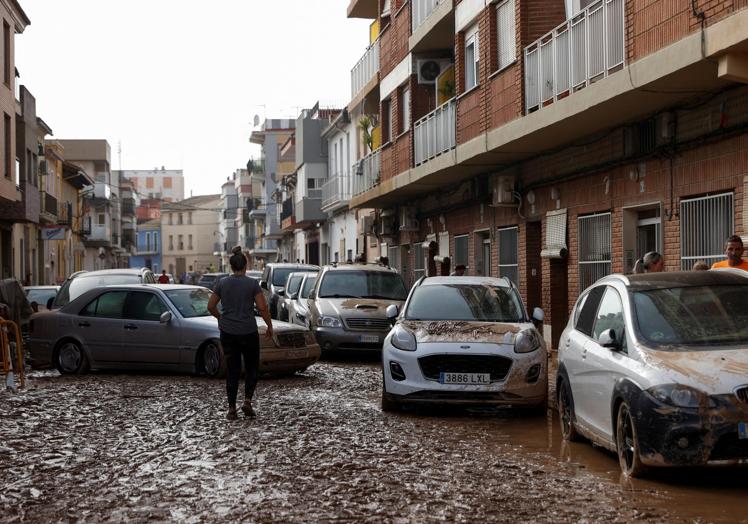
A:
161, 184
190, 235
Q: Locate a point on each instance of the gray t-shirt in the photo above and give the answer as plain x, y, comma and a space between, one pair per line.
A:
237, 294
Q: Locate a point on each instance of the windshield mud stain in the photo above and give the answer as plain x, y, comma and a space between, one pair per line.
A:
457, 331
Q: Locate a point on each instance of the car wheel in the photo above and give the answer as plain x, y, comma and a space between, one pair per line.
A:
566, 413
70, 358
212, 363
627, 443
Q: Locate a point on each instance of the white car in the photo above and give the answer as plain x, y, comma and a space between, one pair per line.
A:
464, 340
655, 368
298, 309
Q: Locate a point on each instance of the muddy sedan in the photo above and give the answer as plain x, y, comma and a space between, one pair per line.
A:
152, 327
464, 340
655, 368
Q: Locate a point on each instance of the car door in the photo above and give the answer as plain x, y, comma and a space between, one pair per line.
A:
575, 361
605, 365
146, 340
100, 327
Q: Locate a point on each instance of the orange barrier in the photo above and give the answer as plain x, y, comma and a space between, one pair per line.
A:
7, 326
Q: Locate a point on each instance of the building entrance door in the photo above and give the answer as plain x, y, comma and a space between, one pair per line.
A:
559, 298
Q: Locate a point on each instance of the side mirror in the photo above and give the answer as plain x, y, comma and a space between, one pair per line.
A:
50, 301
537, 314
264, 284
607, 339
165, 317
281, 292
391, 313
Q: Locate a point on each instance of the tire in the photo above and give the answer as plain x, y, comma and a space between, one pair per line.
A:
566, 414
70, 359
211, 362
627, 444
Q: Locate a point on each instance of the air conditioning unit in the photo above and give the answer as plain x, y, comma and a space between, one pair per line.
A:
408, 221
429, 69
386, 226
364, 225
502, 191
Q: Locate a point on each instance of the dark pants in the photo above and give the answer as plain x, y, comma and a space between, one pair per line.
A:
234, 348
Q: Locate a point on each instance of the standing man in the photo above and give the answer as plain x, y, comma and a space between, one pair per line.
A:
163, 278
239, 337
734, 253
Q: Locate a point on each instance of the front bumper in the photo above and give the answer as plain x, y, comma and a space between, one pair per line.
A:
334, 339
288, 360
513, 389
672, 436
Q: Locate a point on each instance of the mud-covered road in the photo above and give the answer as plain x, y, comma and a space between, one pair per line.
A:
136, 448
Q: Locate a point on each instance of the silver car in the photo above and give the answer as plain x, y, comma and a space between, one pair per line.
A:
298, 309
291, 294
152, 326
273, 282
347, 308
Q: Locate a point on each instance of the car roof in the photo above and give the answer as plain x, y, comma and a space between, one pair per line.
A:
288, 264
120, 271
360, 267
41, 287
674, 279
466, 281
213, 274
302, 273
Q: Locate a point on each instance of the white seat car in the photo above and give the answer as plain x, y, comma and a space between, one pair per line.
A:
464, 340
655, 368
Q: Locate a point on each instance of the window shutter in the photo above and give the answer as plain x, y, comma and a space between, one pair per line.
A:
506, 33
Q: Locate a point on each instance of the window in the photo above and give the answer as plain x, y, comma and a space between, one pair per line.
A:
171, 242
388, 124
8, 148
147, 241
106, 305
189, 217
180, 219
167, 182
610, 315
506, 38
149, 182
155, 242
189, 241
405, 110
180, 242
594, 248
705, 223
472, 58
101, 219
140, 305
6, 53
171, 219
587, 309
418, 261
393, 254
509, 253
461, 251
18, 172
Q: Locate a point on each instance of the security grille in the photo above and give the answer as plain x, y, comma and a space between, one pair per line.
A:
461, 251
393, 254
418, 261
594, 248
508, 253
705, 224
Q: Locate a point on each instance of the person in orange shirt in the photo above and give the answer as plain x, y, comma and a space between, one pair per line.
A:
734, 253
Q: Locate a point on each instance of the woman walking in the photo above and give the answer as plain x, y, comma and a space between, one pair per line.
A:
239, 337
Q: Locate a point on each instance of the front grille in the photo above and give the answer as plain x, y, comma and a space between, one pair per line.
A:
742, 394
294, 340
368, 324
497, 366
730, 447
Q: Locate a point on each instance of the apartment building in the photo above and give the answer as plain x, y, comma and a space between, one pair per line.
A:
160, 184
13, 206
227, 235
552, 141
147, 248
188, 235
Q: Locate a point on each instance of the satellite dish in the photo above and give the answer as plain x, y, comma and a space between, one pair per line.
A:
256, 120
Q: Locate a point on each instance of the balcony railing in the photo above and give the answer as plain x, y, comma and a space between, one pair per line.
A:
421, 10
583, 49
65, 214
50, 204
367, 173
365, 69
286, 209
314, 193
435, 133
337, 190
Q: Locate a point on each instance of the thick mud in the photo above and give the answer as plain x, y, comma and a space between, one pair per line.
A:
136, 448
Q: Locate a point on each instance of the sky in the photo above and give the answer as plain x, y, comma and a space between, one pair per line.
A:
177, 82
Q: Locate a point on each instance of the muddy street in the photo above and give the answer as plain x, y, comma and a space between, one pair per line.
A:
153, 447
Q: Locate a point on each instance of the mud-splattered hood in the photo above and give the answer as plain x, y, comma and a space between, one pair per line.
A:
278, 326
711, 371
355, 307
462, 331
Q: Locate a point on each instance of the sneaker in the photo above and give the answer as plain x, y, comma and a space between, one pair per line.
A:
231, 415
248, 411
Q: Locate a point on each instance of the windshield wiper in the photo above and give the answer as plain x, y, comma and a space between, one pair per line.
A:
337, 295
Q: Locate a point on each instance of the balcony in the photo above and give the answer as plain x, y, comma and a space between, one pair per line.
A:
336, 192
435, 133
65, 214
102, 191
128, 207
432, 25
582, 50
288, 220
48, 211
100, 236
363, 9
367, 173
365, 70
309, 209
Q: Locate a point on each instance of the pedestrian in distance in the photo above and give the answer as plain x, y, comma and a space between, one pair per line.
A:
239, 296
734, 254
652, 262
459, 271
163, 278
700, 266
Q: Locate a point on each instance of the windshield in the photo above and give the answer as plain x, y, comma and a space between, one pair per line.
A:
280, 274
482, 303
208, 278
308, 286
693, 316
74, 288
190, 302
294, 283
362, 284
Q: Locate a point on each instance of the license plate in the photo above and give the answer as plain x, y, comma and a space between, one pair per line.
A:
296, 353
369, 338
743, 430
464, 378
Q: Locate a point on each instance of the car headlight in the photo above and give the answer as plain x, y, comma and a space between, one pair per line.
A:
325, 321
403, 339
680, 396
527, 341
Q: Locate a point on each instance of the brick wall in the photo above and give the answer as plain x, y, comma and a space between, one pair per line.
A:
394, 39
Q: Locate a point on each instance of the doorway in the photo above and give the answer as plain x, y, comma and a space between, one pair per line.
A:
483, 253
533, 273
642, 233
559, 287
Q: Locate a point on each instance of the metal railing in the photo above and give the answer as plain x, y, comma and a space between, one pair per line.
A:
594, 237
435, 133
367, 173
705, 223
574, 54
365, 69
421, 10
314, 193
336, 190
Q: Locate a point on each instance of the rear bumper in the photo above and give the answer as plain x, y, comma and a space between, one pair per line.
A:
287, 360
